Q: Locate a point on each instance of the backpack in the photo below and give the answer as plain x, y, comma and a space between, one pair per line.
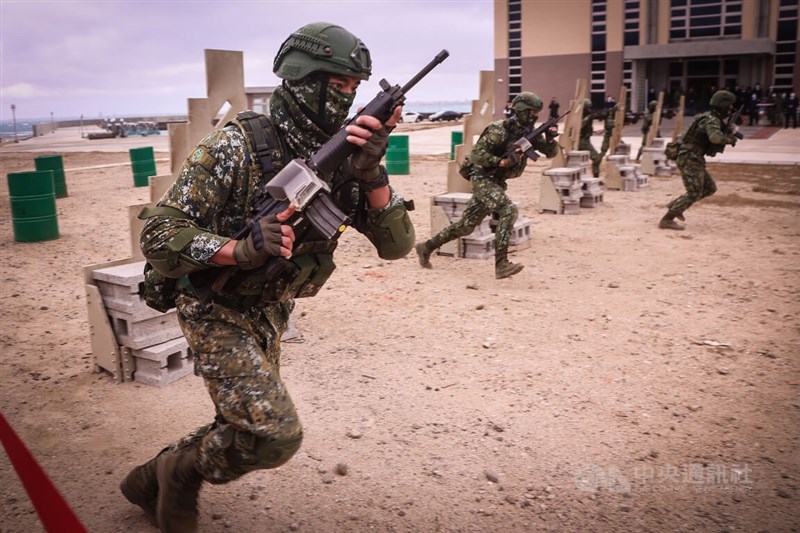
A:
159, 291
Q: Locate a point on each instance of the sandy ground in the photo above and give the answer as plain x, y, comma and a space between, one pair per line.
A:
629, 379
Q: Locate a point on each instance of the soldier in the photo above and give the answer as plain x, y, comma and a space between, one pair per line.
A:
488, 168
585, 142
647, 121
608, 129
707, 136
235, 336
553, 107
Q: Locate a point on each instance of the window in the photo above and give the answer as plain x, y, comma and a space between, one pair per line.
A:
705, 19
786, 45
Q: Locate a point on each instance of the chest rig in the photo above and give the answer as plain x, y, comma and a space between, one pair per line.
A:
311, 263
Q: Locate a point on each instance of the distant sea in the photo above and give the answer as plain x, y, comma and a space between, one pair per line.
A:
25, 127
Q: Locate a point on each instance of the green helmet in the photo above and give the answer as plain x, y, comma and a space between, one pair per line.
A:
322, 47
722, 99
652, 105
526, 100
587, 106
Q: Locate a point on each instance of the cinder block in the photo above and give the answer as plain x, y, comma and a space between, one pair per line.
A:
577, 157
572, 207
563, 176
136, 334
477, 246
663, 170
620, 159
659, 142
162, 364
630, 183
521, 232
591, 200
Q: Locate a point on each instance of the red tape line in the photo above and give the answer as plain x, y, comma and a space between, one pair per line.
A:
54, 512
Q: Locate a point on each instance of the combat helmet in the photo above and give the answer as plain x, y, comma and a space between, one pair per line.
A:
722, 99
587, 106
527, 100
322, 47
652, 106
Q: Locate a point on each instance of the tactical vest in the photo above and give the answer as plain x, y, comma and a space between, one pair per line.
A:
311, 263
696, 139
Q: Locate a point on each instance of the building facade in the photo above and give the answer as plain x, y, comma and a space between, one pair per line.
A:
689, 47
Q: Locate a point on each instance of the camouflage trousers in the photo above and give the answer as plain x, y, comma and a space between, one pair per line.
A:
488, 196
594, 155
605, 145
238, 356
698, 182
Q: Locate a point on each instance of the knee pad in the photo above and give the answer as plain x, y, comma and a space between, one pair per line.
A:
248, 452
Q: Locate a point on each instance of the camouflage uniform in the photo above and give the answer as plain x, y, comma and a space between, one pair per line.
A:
488, 182
609, 130
585, 143
235, 341
234, 332
707, 136
647, 121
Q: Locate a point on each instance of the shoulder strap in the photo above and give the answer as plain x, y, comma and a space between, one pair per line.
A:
264, 137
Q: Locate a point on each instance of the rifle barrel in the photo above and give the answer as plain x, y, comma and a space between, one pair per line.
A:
441, 56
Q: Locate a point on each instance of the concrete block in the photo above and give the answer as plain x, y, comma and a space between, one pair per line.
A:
521, 232
577, 157
563, 176
592, 200
162, 364
477, 246
623, 149
572, 207
137, 334
630, 183
119, 281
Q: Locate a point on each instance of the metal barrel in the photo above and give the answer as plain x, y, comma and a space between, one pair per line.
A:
397, 157
56, 164
33, 206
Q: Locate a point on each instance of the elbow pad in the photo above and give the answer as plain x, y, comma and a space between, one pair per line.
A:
391, 232
173, 262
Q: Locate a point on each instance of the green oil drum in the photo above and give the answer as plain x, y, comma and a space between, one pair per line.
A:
397, 161
56, 164
33, 206
456, 138
143, 164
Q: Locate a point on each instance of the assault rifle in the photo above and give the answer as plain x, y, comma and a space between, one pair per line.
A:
730, 127
524, 144
303, 183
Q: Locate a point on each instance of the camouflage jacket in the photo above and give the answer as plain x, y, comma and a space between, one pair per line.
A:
495, 141
217, 188
706, 136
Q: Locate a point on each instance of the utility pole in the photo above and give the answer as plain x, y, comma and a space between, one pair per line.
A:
14, 119
52, 123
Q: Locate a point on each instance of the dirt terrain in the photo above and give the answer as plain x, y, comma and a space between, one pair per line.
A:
629, 379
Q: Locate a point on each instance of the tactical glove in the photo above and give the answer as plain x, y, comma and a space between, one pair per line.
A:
262, 243
511, 160
366, 162
550, 133
732, 140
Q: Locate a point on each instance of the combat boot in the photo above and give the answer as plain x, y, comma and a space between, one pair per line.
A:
140, 487
679, 216
505, 268
424, 251
667, 222
179, 484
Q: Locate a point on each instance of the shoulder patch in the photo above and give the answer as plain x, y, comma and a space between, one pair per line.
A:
201, 156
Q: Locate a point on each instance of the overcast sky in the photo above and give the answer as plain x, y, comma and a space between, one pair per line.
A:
116, 58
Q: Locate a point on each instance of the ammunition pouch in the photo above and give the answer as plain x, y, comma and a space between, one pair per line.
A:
466, 168
281, 279
672, 149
